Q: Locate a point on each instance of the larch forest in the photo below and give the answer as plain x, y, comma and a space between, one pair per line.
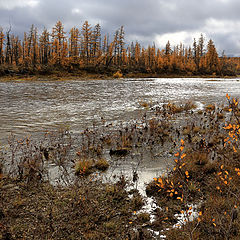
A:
85, 49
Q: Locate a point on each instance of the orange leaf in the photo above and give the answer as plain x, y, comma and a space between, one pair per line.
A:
183, 156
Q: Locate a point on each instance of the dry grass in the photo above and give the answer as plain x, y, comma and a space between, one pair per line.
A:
118, 74
86, 210
85, 167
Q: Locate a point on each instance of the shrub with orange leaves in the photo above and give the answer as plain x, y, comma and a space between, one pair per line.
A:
209, 166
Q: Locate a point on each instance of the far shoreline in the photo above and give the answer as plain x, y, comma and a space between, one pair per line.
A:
92, 76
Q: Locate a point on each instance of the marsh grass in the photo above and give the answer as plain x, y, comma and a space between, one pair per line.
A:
85, 167
86, 210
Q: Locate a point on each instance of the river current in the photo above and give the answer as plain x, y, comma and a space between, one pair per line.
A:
32, 107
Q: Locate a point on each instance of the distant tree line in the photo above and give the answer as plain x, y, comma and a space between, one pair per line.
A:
86, 49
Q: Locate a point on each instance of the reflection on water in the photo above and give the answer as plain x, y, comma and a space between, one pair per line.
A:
34, 106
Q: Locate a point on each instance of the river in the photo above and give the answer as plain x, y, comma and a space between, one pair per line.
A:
31, 107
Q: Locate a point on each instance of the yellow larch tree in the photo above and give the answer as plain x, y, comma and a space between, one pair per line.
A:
86, 42
1, 45
58, 44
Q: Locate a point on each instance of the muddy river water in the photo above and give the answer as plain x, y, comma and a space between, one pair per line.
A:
30, 107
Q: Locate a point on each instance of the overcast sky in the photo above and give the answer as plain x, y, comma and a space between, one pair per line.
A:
147, 21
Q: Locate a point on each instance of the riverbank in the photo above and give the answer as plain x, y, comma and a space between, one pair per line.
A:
84, 210
94, 76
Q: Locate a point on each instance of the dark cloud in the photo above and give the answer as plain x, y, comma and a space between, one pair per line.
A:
146, 21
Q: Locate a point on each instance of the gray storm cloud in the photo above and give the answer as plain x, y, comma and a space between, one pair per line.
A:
147, 21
